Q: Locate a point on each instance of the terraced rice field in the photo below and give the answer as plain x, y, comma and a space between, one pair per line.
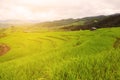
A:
78, 55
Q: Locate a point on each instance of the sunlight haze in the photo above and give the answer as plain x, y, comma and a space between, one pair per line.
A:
44, 10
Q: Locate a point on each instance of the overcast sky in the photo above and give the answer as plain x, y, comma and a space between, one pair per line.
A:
45, 10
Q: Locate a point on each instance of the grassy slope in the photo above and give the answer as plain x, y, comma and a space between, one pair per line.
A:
78, 55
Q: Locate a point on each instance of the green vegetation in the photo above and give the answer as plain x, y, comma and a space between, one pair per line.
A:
96, 21
78, 55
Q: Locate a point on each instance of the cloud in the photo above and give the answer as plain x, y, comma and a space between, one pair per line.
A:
55, 9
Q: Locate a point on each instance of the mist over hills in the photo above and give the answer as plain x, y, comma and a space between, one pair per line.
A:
101, 21
9, 23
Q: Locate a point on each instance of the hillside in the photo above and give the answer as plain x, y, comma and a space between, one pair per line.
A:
98, 22
57, 23
86, 23
69, 22
110, 21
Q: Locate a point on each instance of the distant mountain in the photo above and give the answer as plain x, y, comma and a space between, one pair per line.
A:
57, 23
68, 23
9, 23
18, 21
102, 21
98, 22
5, 25
110, 21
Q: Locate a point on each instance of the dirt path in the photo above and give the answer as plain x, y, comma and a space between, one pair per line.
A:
117, 43
3, 49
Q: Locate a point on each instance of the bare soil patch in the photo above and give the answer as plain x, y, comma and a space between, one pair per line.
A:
4, 49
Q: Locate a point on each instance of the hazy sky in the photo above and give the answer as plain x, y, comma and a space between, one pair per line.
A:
55, 9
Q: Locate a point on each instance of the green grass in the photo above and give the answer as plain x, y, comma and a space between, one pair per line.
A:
78, 55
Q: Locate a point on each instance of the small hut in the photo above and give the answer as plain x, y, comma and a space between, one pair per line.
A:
93, 28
